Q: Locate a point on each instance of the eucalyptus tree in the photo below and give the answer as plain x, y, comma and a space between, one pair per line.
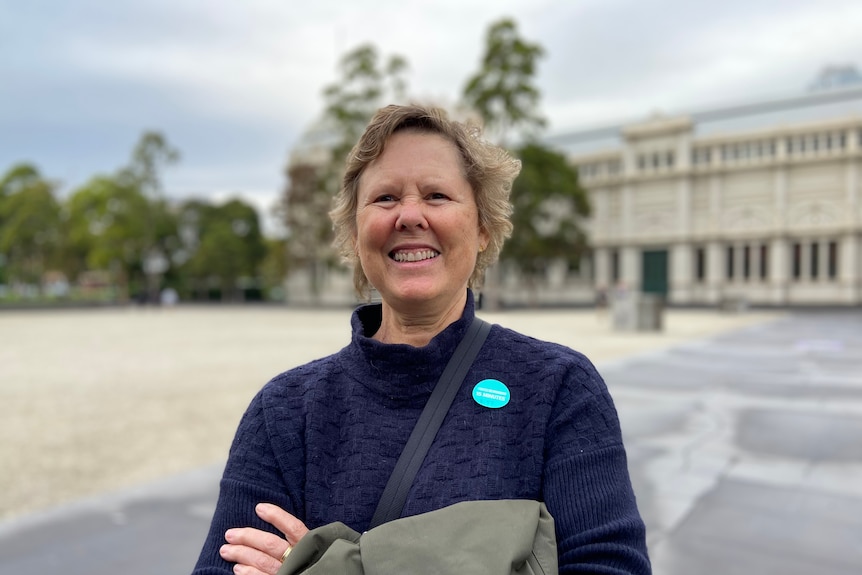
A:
108, 229
550, 208
503, 91
224, 247
30, 225
366, 81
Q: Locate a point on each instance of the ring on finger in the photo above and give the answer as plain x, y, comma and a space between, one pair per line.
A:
286, 552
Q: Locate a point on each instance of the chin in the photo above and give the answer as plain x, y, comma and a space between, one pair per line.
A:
422, 294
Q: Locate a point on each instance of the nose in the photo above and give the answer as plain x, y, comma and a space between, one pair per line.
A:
411, 214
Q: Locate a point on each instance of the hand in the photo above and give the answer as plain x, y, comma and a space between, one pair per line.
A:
257, 552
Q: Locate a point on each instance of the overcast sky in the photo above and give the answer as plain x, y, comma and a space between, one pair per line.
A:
234, 84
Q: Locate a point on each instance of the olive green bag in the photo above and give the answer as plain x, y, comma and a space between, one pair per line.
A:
473, 537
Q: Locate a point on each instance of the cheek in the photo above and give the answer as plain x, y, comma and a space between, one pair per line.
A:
370, 233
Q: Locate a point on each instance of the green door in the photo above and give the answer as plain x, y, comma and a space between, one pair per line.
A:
654, 272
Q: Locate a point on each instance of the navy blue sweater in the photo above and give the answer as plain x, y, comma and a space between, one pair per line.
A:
322, 439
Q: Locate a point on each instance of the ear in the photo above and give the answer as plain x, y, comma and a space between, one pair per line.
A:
484, 239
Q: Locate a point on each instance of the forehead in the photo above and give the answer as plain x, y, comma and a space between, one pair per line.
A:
416, 152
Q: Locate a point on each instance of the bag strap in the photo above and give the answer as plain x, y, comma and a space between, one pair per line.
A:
395, 493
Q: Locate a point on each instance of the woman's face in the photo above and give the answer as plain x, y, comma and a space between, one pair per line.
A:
417, 222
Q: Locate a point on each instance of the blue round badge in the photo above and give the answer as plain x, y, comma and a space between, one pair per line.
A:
491, 393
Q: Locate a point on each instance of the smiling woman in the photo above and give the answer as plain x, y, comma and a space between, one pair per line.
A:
417, 231
422, 212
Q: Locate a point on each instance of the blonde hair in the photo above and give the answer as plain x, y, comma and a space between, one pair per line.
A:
489, 169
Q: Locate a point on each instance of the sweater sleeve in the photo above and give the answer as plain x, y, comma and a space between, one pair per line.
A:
252, 475
586, 481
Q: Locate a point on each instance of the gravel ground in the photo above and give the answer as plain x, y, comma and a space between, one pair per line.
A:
97, 400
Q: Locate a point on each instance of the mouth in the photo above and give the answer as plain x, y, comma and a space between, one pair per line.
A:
413, 255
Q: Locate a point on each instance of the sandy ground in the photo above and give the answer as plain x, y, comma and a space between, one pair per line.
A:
96, 400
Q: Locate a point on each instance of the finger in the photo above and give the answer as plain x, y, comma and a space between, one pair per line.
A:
263, 541
293, 528
249, 561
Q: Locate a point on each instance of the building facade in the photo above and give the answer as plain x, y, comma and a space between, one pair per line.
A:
768, 217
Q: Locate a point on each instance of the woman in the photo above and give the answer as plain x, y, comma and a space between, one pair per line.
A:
422, 213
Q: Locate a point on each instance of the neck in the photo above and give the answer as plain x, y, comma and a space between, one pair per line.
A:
418, 327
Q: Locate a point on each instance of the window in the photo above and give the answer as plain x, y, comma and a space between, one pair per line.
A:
700, 264
730, 262
746, 261
701, 156
815, 268
832, 262
764, 261
797, 260
615, 266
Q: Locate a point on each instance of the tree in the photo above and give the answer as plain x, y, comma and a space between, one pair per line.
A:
502, 91
30, 224
150, 156
549, 208
274, 268
367, 81
503, 94
109, 228
308, 200
224, 243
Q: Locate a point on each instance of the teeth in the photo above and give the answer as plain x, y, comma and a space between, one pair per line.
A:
415, 256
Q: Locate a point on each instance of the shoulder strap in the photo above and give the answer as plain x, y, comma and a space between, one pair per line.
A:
395, 493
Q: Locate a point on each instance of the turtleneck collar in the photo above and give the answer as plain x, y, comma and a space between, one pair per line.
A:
401, 371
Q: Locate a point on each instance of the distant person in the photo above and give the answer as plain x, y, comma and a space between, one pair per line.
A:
423, 211
169, 297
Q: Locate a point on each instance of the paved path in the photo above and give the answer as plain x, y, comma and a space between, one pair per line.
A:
745, 451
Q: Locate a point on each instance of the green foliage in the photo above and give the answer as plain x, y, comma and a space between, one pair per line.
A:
114, 225
502, 91
151, 154
17, 178
224, 244
365, 83
108, 227
549, 208
274, 267
30, 224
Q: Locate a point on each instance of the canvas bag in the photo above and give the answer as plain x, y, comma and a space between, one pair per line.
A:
509, 536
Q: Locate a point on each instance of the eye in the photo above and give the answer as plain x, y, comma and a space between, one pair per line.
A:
384, 198
437, 196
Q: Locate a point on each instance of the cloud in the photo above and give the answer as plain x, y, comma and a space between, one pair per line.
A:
234, 85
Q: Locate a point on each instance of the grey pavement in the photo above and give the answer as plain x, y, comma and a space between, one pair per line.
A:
745, 451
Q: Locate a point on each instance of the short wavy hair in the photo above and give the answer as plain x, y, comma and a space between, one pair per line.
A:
489, 169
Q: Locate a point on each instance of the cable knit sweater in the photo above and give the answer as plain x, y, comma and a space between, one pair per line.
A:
322, 439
